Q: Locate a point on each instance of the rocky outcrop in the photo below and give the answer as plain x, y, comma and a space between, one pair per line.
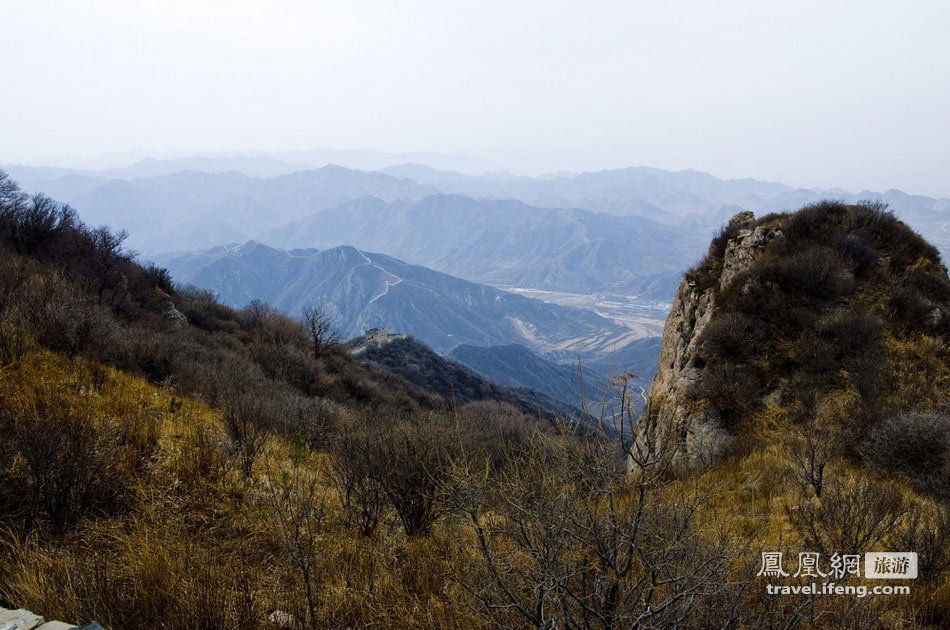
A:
680, 365
175, 317
21, 619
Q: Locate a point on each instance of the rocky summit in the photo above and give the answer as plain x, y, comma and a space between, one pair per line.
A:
834, 306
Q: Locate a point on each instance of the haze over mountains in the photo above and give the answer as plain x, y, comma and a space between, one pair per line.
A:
244, 196
133, 164
193, 209
680, 198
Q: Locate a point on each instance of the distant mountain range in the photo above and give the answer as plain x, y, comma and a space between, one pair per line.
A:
507, 243
255, 164
631, 230
365, 290
689, 199
192, 209
646, 191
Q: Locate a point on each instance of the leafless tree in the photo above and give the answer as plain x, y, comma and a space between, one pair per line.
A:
321, 330
351, 468
296, 505
246, 420
106, 260
812, 446
412, 462
852, 515
256, 314
568, 537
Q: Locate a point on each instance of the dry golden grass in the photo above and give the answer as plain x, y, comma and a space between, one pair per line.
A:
195, 548
920, 367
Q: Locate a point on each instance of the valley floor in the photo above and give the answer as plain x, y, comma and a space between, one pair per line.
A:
644, 318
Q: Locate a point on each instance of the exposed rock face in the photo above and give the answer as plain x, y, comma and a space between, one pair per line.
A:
704, 439
21, 619
175, 317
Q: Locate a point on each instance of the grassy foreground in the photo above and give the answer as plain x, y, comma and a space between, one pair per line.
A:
165, 531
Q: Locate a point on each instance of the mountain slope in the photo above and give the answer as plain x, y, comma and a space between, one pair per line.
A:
503, 243
513, 365
413, 361
835, 316
516, 366
365, 290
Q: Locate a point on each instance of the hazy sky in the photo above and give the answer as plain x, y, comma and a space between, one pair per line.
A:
827, 93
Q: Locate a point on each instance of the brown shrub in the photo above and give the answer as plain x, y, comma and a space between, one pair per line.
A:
816, 272
352, 466
731, 337
70, 468
852, 515
733, 389
412, 461
914, 445
565, 537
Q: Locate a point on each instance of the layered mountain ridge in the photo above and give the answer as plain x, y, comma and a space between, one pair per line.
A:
190, 210
363, 290
505, 242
